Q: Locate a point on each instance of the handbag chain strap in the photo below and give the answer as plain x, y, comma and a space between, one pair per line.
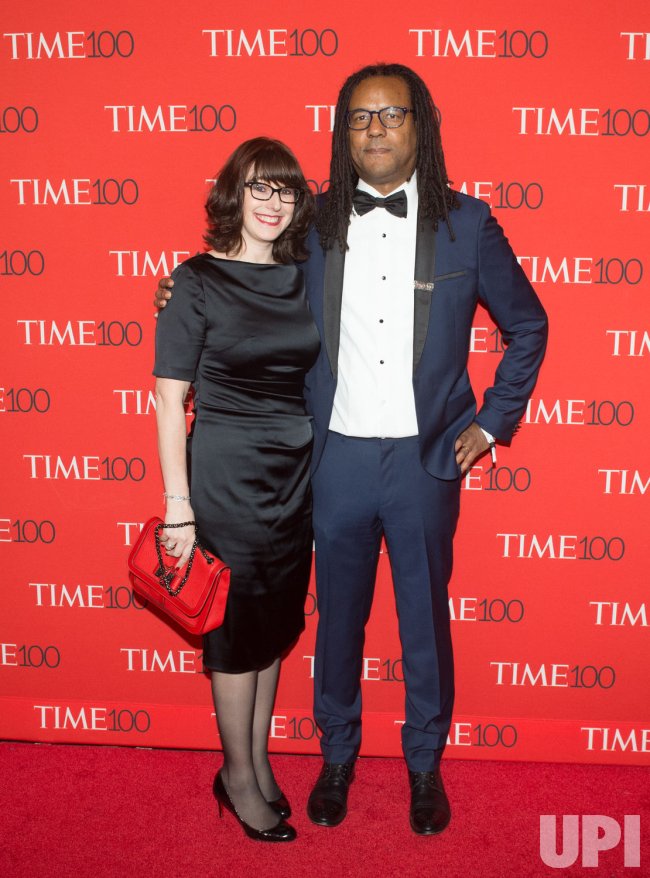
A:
166, 576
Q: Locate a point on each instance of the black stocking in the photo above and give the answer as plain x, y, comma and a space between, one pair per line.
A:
234, 701
267, 684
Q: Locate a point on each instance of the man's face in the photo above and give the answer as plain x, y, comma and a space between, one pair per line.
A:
383, 157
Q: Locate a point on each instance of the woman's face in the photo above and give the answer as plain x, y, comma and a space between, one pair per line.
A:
264, 221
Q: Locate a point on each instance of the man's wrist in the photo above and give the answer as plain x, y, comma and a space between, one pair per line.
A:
492, 442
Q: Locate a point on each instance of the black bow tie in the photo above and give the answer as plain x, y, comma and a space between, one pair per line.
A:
364, 202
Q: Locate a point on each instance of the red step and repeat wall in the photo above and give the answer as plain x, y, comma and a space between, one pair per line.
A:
113, 121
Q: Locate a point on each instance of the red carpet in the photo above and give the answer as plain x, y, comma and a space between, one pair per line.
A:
103, 811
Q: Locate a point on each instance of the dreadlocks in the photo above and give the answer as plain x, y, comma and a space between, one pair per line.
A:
436, 199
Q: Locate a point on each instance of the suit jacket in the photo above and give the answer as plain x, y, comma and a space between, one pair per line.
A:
450, 277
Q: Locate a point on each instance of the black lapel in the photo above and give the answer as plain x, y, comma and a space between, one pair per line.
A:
332, 296
425, 260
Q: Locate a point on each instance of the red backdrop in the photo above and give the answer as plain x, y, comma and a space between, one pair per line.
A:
112, 122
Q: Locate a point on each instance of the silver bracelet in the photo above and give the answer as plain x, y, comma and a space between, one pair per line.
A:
176, 496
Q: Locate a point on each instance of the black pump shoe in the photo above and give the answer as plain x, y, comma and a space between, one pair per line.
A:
281, 806
281, 832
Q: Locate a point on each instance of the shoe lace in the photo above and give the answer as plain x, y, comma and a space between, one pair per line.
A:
337, 772
421, 780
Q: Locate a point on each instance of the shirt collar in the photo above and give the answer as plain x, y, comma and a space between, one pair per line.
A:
410, 187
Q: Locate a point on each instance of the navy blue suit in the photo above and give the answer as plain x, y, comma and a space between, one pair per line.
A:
408, 489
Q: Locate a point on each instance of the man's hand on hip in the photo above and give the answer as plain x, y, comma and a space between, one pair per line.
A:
470, 445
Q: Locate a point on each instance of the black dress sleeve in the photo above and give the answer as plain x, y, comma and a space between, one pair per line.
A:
180, 333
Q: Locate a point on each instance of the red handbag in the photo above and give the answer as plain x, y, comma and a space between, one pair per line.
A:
194, 596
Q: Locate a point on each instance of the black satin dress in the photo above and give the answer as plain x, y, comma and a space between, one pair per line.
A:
243, 333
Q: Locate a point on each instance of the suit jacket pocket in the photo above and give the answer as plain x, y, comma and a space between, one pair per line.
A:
449, 276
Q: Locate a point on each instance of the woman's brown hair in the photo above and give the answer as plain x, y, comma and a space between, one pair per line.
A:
272, 162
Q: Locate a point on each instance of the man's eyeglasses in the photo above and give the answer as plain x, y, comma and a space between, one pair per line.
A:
264, 192
390, 117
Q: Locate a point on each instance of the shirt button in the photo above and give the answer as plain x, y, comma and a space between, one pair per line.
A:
383, 277
383, 234
382, 362
381, 320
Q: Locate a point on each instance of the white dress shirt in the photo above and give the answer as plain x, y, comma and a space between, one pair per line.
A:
374, 394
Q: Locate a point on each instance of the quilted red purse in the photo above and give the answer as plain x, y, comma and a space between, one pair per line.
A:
194, 596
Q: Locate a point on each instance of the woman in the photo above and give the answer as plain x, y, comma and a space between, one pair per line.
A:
239, 329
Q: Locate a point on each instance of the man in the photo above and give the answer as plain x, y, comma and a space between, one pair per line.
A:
398, 263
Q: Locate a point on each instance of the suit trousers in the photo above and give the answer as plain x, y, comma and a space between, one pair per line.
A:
363, 488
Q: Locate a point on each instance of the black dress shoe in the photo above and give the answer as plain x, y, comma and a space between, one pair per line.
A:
280, 832
281, 806
430, 812
328, 802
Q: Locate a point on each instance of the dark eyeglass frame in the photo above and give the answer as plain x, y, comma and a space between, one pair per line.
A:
274, 189
376, 113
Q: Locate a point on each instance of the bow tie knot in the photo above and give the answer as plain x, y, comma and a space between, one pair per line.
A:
364, 202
